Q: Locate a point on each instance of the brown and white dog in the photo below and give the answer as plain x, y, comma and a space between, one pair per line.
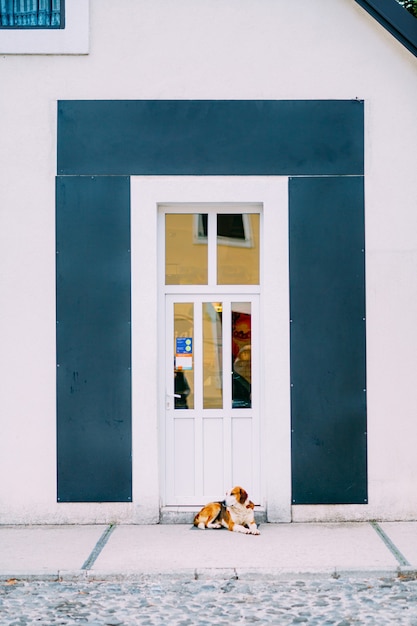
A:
234, 513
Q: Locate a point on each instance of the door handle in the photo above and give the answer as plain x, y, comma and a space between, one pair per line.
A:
168, 399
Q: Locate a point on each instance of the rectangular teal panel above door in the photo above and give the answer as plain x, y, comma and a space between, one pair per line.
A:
328, 340
93, 339
211, 137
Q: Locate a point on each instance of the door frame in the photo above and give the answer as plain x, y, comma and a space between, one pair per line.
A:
147, 193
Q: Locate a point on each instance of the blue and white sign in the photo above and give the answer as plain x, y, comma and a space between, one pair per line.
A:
184, 353
184, 345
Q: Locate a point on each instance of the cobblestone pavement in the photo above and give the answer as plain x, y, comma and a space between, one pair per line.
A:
207, 602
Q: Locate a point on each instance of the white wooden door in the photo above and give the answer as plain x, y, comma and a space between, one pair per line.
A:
212, 396
211, 291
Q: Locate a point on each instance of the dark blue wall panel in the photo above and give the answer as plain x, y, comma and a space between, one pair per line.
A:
210, 137
107, 140
328, 352
93, 339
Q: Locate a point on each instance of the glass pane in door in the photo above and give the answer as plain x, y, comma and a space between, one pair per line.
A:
212, 355
186, 261
241, 355
238, 249
184, 355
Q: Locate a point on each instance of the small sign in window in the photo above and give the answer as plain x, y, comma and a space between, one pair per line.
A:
184, 353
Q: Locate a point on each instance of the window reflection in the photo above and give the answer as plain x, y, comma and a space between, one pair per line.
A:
238, 249
186, 248
212, 355
186, 260
241, 355
183, 355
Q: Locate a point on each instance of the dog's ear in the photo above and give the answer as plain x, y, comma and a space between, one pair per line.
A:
243, 496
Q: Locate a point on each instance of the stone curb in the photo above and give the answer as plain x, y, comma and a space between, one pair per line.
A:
266, 574
29, 576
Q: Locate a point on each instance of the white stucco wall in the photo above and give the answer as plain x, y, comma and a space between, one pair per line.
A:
207, 49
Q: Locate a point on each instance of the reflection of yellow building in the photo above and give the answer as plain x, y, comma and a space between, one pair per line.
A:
212, 350
186, 259
212, 356
184, 327
186, 254
186, 263
212, 328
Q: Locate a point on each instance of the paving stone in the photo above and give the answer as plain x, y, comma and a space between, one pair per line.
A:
342, 602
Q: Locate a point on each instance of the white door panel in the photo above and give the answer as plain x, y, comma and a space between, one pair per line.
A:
212, 418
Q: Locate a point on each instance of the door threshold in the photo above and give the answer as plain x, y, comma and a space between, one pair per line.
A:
185, 514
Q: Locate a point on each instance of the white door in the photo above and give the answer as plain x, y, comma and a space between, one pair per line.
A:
212, 352
212, 396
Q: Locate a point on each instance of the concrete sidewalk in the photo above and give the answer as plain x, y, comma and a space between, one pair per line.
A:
179, 550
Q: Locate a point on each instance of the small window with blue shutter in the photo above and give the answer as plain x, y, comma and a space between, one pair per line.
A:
29, 14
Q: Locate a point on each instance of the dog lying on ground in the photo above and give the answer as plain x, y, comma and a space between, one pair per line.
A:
235, 513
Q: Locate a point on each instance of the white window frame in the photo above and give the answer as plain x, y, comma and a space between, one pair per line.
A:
73, 39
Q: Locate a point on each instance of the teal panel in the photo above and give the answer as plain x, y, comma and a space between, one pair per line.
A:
93, 339
328, 350
210, 137
315, 140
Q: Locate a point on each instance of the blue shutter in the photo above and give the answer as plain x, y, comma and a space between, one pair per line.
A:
32, 13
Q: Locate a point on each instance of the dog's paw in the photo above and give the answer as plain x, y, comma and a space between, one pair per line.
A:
214, 525
254, 531
237, 528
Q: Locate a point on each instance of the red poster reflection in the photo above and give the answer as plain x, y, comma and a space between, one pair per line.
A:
242, 360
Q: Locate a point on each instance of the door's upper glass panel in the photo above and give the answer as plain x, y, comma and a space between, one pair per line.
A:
186, 259
238, 249
222, 246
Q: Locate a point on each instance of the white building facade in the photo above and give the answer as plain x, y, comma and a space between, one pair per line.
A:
181, 181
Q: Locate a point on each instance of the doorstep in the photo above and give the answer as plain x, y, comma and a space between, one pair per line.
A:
185, 514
